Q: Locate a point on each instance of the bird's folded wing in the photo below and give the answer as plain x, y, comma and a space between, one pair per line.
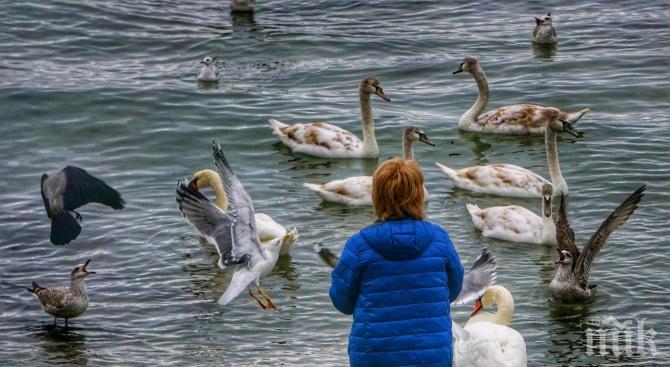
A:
481, 275
615, 220
241, 209
52, 298
565, 237
82, 188
210, 221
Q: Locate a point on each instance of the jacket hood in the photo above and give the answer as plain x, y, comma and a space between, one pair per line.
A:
399, 239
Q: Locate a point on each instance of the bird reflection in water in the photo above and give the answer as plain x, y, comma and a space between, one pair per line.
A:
62, 346
544, 51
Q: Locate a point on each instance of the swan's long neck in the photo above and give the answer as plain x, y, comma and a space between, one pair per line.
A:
407, 148
505, 310
557, 180
369, 141
220, 197
548, 229
470, 116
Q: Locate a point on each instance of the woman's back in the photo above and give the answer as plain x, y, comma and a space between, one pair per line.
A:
398, 278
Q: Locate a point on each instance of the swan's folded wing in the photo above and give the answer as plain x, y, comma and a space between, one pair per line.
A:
81, 188
481, 275
615, 220
210, 221
565, 237
241, 209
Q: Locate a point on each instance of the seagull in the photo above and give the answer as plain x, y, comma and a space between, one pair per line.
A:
66, 191
65, 302
571, 282
208, 71
234, 233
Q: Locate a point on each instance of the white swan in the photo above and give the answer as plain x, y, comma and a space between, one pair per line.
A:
329, 141
357, 190
512, 180
515, 223
487, 340
268, 229
544, 32
514, 119
208, 71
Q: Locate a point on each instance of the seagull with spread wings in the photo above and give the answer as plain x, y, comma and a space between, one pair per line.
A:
68, 190
571, 282
234, 233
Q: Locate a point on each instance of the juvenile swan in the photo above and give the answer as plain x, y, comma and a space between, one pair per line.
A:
512, 180
571, 282
357, 190
514, 119
321, 139
544, 31
516, 223
65, 302
208, 71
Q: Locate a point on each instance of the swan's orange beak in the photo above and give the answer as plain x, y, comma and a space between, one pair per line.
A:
193, 184
478, 307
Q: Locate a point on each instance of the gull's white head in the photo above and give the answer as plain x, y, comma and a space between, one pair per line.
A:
545, 20
207, 61
564, 257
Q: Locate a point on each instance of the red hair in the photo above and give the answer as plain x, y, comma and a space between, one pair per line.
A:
397, 190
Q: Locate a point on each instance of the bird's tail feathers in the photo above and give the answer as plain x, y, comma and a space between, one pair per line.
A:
575, 116
450, 172
475, 211
276, 125
64, 228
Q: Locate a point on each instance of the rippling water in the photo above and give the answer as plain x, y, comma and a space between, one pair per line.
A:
110, 86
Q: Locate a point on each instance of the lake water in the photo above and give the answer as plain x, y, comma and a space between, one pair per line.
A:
110, 86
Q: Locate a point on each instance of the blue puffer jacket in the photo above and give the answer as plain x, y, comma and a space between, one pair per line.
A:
398, 279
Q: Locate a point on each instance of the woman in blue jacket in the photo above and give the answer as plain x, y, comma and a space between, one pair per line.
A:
397, 277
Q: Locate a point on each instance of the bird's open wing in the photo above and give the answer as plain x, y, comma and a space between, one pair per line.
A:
565, 237
82, 188
241, 209
481, 275
210, 221
615, 220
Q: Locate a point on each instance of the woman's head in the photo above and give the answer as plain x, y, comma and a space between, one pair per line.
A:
397, 190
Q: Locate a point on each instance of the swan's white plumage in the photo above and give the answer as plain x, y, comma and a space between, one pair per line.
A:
490, 345
497, 179
355, 190
511, 223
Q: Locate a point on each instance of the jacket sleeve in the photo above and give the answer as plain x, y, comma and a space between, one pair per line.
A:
454, 270
345, 277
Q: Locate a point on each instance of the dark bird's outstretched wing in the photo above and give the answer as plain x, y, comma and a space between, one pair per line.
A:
615, 220
241, 209
210, 221
565, 237
481, 275
82, 188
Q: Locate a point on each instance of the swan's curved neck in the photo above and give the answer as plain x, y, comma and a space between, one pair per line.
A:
220, 197
505, 310
557, 180
470, 116
548, 229
369, 140
407, 148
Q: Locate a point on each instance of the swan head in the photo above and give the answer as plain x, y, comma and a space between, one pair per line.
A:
371, 86
80, 271
564, 257
545, 20
495, 295
207, 61
414, 133
204, 178
562, 126
468, 64
547, 192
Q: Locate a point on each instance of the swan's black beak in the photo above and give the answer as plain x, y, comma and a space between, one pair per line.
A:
547, 206
569, 128
380, 92
459, 70
423, 138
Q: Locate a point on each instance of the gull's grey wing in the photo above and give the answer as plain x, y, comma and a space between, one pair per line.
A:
210, 221
615, 220
565, 237
481, 275
241, 209
52, 298
81, 188
326, 255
